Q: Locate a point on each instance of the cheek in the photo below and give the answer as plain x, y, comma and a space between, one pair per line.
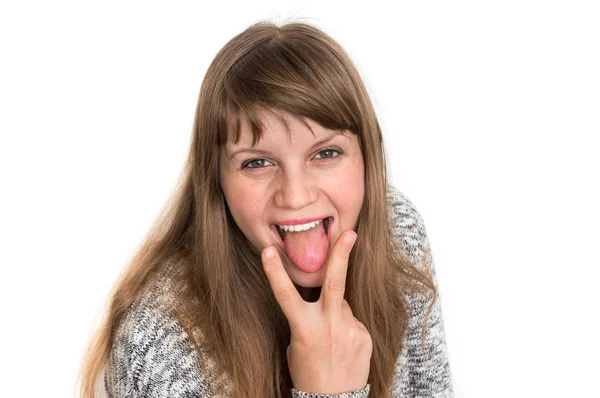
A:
244, 202
358, 189
347, 187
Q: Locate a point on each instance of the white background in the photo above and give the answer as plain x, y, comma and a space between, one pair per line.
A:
491, 112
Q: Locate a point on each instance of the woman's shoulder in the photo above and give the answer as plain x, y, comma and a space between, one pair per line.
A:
419, 372
152, 355
408, 226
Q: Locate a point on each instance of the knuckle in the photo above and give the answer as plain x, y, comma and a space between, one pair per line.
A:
363, 338
359, 336
353, 334
336, 285
283, 295
303, 337
369, 343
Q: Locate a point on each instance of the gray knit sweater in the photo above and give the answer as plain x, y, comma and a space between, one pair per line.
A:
152, 356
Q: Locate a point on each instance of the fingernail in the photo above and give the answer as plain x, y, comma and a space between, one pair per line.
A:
269, 253
349, 238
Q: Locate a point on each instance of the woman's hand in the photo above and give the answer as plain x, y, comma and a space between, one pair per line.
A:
330, 350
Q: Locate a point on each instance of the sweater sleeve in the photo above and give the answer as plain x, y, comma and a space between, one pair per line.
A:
153, 357
420, 374
364, 393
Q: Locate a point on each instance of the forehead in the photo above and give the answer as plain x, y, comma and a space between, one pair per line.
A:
276, 127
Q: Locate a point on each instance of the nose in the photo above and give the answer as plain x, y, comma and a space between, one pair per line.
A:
295, 191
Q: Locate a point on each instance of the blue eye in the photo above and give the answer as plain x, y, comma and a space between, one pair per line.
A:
256, 164
328, 154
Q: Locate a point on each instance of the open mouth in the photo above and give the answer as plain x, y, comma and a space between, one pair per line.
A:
281, 232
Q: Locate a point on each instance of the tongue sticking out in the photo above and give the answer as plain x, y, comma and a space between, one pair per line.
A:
307, 249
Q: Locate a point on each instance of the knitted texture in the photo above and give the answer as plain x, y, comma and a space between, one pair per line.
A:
152, 356
364, 393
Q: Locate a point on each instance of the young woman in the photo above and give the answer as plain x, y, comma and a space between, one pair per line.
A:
285, 265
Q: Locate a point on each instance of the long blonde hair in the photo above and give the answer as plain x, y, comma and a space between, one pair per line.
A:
225, 294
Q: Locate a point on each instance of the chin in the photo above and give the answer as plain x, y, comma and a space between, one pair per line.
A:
308, 280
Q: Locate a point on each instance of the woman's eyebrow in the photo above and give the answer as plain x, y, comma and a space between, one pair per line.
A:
264, 152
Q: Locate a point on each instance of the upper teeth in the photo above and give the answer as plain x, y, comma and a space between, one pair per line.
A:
299, 227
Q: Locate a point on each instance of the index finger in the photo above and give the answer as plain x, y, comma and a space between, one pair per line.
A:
334, 286
283, 288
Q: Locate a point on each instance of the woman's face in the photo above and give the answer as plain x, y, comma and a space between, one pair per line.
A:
297, 179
